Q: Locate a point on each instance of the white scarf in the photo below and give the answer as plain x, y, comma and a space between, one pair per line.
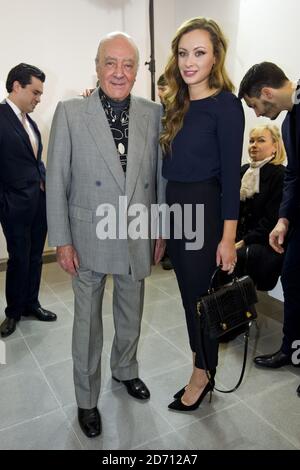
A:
250, 180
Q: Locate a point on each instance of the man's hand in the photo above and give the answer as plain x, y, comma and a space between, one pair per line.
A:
87, 92
67, 259
159, 250
278, 234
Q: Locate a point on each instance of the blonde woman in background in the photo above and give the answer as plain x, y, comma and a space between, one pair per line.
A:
261, 194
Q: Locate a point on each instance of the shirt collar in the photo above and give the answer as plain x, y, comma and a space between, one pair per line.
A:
14, 107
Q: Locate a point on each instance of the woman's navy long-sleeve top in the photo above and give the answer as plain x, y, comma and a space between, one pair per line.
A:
210, 145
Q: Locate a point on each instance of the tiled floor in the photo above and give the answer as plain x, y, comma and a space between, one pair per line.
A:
37, 402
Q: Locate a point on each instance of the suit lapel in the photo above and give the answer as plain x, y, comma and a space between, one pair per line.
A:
137, 138
99, 128
38, 134
12, 117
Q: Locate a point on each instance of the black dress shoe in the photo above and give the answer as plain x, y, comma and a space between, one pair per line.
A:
166, 264
90, 421
298, 391
273, 361
136, 388
8, 326
41, 314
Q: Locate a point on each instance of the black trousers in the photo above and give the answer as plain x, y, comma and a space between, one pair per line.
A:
194, 268
25, 239
290, 283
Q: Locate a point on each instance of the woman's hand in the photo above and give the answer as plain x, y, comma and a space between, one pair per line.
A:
226, 255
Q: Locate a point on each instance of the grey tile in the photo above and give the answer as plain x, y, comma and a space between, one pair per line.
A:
276, 315
18, 359
266, 326
170, 441
60, 378
156, 355
158, 272
51, 346
164, 386
165, 314
236, 428
126, 422
46, 295
70, 306
53, 274
179, 337
256, 379
267, 306
51, 432
268, 344
169, 285
63, 291
153, 294
23, 397
294, 370
30, 325
280, 407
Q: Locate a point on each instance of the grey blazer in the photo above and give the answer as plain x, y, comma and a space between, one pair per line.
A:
84, 171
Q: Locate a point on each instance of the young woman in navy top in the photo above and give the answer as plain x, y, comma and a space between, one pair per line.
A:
202, 142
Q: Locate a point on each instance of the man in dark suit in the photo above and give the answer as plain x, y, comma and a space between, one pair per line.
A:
22, 196
268, 91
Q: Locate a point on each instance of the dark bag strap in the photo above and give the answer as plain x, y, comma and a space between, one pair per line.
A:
246, 339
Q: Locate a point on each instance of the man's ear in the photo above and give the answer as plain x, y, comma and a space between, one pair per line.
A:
16, 86
267, 92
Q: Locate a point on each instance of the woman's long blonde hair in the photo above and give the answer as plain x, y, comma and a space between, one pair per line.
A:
177, 97
280, 155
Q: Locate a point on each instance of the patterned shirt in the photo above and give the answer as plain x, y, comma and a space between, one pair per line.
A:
117, 113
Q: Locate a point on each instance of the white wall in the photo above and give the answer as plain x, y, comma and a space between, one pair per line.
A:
61, 37
268, 31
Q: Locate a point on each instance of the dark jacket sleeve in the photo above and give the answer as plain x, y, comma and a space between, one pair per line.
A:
291, 190
230, 139
268, 205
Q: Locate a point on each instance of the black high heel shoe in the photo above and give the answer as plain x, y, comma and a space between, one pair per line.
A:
182, 390
177, 405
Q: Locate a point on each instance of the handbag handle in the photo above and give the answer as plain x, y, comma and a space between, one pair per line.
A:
233, 277
213, 278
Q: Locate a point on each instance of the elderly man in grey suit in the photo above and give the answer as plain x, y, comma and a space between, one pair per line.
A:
103, 150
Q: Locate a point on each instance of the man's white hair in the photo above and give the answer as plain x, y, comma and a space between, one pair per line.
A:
113, 35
